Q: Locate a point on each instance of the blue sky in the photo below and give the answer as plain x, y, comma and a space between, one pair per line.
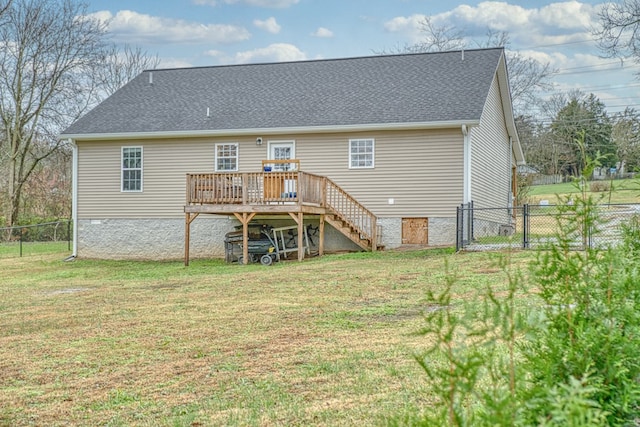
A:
215, 32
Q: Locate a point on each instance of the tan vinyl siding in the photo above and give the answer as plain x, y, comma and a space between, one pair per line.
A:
491, 157
421, 170
165, 165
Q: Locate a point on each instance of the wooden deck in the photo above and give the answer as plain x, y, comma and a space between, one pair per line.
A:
260, 192
292, 193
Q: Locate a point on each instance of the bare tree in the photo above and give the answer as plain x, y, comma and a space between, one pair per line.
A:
4, 6
48, 48
55, 65
123, 65
527, 79
619, 34
495, 39
437, 39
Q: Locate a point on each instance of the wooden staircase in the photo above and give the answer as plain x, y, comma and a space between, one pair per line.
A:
351, 218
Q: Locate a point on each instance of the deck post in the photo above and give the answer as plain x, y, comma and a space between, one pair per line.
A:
321, 236
374, 234
187, 228
244, 219
187, 235
299, 219
300, 236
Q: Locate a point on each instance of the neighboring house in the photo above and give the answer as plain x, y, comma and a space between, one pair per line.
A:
404, 139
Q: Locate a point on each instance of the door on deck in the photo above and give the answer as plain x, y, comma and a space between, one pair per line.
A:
284, 150
415, 231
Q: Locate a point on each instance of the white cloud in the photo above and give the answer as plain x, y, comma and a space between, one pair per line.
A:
214, 53
270, 25
409, 25
322, 33
275, 4
135, 27
568, 63
278, 52
559, 22
567, 15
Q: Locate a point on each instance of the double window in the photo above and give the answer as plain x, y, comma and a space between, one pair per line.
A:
226, 157
361, 153
131, 169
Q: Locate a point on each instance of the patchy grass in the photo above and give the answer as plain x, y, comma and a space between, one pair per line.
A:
329, 341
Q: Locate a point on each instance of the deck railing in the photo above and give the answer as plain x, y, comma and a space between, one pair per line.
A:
254, 188
282, 187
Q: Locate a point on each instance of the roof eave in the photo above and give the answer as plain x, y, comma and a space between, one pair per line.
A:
267, 131
507, 105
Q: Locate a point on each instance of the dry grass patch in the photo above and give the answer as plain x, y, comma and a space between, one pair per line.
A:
324, 342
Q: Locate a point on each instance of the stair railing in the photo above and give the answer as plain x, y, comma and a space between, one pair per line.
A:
351, 212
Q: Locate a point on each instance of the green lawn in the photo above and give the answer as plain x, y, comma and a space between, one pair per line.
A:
15, 249
622, 191
329, 341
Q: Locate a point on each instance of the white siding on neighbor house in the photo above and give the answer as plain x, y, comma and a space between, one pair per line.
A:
420, 170
491, 155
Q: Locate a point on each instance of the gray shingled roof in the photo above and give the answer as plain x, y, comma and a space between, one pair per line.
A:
391, 89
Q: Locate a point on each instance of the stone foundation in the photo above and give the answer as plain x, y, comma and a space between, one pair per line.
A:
163, 239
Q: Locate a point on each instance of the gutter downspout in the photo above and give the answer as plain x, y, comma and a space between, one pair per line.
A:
74, 198
510, 194
466, 196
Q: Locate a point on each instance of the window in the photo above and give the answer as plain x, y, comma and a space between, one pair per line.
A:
131, 168
226, 157
361, 153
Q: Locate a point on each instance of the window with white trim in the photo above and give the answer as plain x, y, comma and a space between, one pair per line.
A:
131, 169
226, 157
361, 153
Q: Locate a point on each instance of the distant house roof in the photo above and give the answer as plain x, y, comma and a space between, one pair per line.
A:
527, 170
439, 89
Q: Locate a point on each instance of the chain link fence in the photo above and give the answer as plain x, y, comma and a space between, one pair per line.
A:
50, 237
535, 226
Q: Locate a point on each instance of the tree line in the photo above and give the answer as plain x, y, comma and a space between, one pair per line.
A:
551, 147
57, 62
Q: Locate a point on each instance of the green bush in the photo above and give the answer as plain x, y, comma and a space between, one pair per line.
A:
571, 359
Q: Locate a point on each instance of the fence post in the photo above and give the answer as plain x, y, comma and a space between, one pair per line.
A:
525, 226
21, 234
458, 228
590, 229
468, 212
69, 235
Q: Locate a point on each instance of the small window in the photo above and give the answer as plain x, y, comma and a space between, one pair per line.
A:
226, 157
131, 168
361, 153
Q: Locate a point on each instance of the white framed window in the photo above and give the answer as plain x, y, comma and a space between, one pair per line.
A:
361, 153
131, 169
226, 157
